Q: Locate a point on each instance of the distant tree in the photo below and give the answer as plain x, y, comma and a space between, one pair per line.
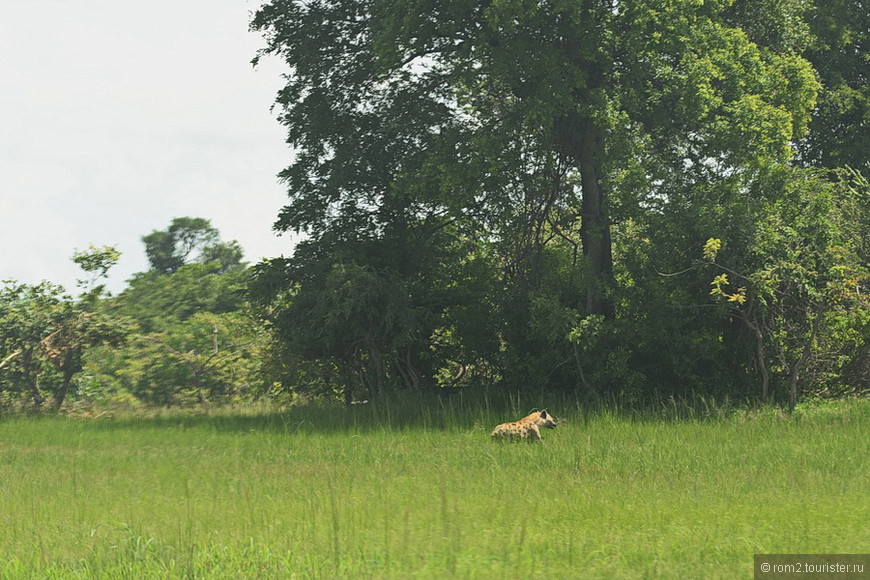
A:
158, 301
189, 240
194, 339
96, 263
228, 254
208, 357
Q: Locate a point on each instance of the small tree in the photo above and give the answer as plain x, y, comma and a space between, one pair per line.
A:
800, 276
46, 332
96, 263
211, 353
28, 315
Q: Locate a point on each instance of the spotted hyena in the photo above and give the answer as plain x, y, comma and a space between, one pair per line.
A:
526, 428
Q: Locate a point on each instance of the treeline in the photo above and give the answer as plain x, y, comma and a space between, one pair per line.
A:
180, 333
620, 200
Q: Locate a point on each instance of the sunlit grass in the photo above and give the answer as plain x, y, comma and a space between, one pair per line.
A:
402, 491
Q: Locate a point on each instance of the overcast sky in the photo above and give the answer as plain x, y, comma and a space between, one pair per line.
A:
117, 116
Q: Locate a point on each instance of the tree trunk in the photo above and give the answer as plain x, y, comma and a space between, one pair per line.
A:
376, 363
200, 390
798, 365
755, 327
589, 388
69, 369
595, 224
346, 367
579, 138
31, 377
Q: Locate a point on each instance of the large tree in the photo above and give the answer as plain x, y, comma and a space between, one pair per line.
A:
527, 130
514, 111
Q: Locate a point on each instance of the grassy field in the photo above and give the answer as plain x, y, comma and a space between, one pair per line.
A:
377, 492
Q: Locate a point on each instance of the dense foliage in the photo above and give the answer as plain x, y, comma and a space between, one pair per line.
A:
173, 336
613, 198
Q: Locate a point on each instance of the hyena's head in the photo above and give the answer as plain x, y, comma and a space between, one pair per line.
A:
544, 419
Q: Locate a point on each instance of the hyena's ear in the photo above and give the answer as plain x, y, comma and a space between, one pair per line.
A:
543, 414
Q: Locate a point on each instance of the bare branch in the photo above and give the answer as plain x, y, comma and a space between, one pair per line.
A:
9, 358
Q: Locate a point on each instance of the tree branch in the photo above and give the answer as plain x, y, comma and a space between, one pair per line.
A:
9, 358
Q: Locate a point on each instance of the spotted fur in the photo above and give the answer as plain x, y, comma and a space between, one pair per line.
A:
526, 428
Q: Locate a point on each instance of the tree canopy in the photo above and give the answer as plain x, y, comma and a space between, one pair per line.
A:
190, 240
516, 182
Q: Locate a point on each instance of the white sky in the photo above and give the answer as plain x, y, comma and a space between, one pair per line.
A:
117, 116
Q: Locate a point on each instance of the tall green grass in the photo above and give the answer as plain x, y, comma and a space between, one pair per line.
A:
412, 490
